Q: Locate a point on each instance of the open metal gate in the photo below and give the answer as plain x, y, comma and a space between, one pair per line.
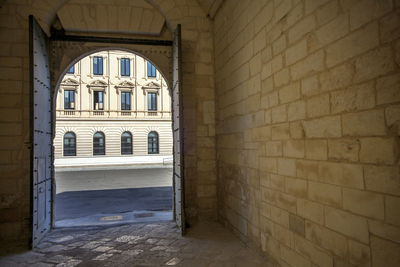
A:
41, 154
177, 113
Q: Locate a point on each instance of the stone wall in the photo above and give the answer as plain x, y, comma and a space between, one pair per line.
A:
198, 98
308, 113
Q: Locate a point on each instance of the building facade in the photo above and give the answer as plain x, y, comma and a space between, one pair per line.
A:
113, 103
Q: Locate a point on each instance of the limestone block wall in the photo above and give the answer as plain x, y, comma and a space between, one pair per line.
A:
308, 113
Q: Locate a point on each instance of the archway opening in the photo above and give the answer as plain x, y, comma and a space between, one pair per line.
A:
113, 141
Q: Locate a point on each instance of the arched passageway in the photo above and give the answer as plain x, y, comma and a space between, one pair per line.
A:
42, 107
115, 107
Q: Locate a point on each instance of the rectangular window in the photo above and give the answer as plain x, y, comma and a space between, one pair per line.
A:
69, 99
125, 67
125, 101
98, 65
71, 70
151, 70
152, 101
98, 100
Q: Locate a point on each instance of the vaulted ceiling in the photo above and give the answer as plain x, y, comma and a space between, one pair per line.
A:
210, 7
137, 17
127, 17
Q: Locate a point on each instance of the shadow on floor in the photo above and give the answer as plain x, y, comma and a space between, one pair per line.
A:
157, 244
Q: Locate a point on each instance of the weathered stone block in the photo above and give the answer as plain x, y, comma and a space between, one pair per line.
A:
277, 63
310, 86
327, 12
296, 110
311, 5
355, 98
316, 149
280, 132
303, 27
343, 149
283, 235
307, 169
297, 224
384, 230
280, 216
289, 93
279, 45
261, 133
255, 65
373, 64
293, 148
392, 114
326, 238
310, 210
353, 44
384, 253
287, 167
296, 130
318, 106
268, 164
388, 89
281, 77
273, 99
364, 203
384, 179
313, 252
325, 194
366, 11
296, 187
389, 27
337, 77
348, 224
377, 150
366, 123
333, 31
359, 254
347, 175
293, 258
281, 10
296, 52
273, 148
324, 127
279, 114
392, 205
311, 64
277, 182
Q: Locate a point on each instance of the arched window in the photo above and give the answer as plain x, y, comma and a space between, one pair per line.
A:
126, 143
152, 140
69, 144
99, 144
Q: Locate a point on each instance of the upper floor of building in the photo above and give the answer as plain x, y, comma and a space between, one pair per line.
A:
113, 84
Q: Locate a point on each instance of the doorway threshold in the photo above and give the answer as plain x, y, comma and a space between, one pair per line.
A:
142, 216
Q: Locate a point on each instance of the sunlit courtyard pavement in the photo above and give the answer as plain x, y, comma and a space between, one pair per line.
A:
159, 244
87, 196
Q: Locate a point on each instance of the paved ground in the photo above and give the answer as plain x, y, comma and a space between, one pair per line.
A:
93, 197
207, 244
80, 179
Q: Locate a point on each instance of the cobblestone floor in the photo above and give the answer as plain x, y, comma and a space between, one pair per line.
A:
159, 244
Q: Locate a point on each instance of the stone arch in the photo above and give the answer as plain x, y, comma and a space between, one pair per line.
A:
152, 129
64, 130
126, 129
172, 10
96, 129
